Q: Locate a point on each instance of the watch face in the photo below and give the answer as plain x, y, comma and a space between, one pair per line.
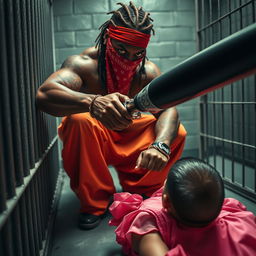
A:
163, 147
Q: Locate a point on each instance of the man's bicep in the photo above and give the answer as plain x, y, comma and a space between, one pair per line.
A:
75, 71
62, 80
150, 244
69, 75
68, 78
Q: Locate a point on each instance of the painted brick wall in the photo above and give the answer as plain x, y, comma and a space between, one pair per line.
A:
76, 27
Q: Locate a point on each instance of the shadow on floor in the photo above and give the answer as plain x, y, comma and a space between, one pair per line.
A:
69, 240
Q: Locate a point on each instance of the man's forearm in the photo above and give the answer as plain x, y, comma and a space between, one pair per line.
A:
63, 102
167, 126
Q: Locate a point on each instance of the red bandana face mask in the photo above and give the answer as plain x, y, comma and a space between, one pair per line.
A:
119, 71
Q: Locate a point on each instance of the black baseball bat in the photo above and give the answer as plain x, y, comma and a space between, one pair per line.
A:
224, 62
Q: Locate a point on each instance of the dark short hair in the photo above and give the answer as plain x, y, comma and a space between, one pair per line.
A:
196, 190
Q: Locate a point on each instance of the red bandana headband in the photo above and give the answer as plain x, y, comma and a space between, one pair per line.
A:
129, 36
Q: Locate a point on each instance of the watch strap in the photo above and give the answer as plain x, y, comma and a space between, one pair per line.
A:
161, 147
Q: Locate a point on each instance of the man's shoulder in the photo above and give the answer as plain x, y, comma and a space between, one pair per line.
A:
84, 62
78, 61
152, 70
91, 52
141, 80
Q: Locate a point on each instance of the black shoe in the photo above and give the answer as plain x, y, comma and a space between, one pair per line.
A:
88, 221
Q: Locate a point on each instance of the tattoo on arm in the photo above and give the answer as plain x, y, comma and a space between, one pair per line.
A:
72, 81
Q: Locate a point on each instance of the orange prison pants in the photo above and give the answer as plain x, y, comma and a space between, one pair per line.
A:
89, 148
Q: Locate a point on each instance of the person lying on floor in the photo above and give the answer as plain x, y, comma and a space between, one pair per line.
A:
188, 216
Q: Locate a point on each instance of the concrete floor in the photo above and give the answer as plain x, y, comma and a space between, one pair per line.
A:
69, 240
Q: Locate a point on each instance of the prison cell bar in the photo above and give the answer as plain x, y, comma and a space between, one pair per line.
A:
28, 139
238, 15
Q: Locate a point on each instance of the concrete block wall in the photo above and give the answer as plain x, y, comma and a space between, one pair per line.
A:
76, 28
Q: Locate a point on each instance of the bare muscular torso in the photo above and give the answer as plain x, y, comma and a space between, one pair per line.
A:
86, 66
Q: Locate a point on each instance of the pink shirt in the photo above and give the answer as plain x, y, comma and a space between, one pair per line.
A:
232, 233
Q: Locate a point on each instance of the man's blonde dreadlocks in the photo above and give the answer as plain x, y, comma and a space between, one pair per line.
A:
128, 16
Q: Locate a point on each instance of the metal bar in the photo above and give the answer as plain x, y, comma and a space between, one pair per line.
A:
232, 109
232, 136
43, 201
32, 77
3, 80
202, 141
210, 18
198, 40
32, 245
39, 210
24, 225
16, 230
222, 135
222, 99
6, 115
203, 12
40, 115
207, 129
228, 141
45, 134
11, 203
206, 43
21, 90
35, 215
32, 208
3, 194
27, 83
2, 252
7, 237
242, 109
32, 53
254, 11
197, 24
213, 150
13, 85
225, 16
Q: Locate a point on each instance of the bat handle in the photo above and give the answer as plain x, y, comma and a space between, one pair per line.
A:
130, 106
